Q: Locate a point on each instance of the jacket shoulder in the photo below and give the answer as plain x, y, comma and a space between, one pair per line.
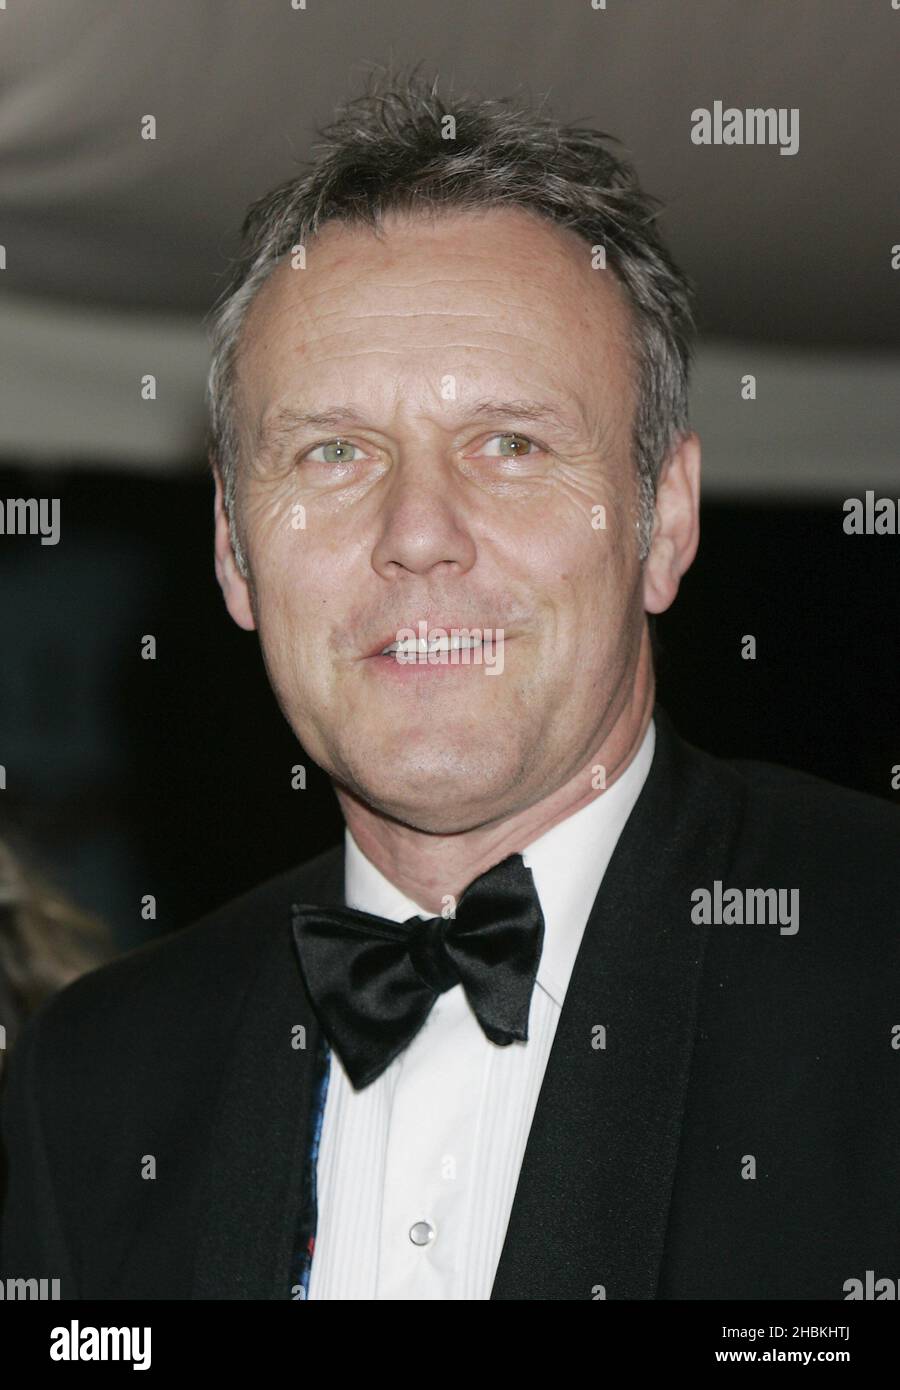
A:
813, 804
162, 984
794, 828
840, 848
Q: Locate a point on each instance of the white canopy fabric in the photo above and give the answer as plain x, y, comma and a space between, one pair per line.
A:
115, 246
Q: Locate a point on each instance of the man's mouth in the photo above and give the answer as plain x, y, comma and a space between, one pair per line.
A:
411, 647
435, 648
420, 638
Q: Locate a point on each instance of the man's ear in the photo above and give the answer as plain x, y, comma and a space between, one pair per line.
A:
676, 526
234, 586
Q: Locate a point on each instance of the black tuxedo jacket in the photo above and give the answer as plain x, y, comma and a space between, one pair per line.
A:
730, 1049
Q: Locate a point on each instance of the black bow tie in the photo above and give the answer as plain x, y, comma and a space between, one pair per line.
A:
373, 982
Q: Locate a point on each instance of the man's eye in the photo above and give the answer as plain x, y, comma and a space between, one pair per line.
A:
509, 446
335, 451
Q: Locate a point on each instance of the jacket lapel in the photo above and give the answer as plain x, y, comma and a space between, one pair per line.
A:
258, 1147
590, 1211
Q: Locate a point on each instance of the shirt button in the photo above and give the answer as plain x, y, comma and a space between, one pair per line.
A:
421, 1233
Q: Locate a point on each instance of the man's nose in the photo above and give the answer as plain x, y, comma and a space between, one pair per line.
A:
423, 520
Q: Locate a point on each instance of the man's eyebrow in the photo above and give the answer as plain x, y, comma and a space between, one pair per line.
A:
289, 420
534, 411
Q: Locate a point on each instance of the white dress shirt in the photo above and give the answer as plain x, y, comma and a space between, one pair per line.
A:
417, 1172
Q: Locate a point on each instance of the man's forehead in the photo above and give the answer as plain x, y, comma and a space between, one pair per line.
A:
481, 255
446, 290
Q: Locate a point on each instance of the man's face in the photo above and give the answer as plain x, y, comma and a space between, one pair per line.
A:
475, 370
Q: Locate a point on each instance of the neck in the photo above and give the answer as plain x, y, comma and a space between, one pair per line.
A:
426, 867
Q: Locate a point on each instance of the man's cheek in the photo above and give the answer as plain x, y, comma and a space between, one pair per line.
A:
277, 630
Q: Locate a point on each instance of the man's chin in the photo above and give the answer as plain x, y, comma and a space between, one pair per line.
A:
440, 805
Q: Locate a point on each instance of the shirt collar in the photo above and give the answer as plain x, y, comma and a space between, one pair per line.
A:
568, 863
